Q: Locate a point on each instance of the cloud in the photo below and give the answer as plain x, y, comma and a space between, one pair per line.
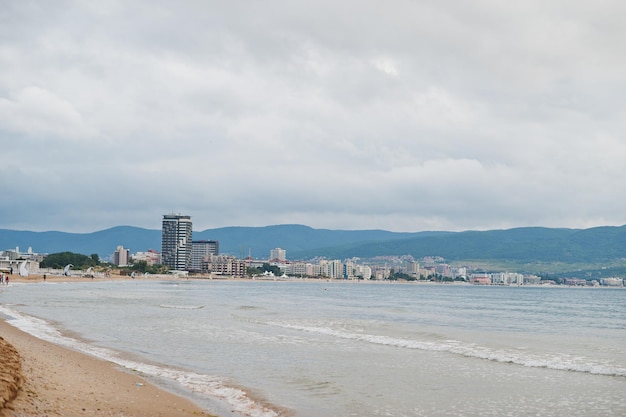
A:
403, 116
37, 112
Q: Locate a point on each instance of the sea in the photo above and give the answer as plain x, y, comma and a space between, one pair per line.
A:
326, 348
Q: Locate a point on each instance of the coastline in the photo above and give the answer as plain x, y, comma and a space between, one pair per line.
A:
54, 381
57, 380
123, 288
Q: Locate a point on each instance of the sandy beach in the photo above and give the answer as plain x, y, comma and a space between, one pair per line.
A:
38, 378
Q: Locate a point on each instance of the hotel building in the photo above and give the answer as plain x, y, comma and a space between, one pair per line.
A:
200, 249
121, 256
176, 242
278, 254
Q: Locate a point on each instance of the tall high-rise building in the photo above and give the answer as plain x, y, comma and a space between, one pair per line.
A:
176, 241
202, 249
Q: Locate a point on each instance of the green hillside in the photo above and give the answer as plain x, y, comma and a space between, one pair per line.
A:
527, 249
521, 246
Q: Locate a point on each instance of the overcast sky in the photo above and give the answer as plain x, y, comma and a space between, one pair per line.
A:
395, 115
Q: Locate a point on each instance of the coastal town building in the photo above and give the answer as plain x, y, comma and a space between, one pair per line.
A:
176, 238
121, 256
443, 270
299, 269
200, 249
612, 282
12, 260
151, 257
459, 272
364, 271
224, 265
413, 269
349, 270
480, 279
507, 278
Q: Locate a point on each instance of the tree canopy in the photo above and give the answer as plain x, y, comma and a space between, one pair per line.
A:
78, 260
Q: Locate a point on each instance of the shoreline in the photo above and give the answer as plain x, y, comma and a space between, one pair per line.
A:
60, 381
40, 378
38, 278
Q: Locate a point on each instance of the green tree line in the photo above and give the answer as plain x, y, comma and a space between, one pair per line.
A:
78, 260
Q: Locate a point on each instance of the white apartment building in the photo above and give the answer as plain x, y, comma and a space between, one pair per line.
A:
507, 278
297, 269
278, 254
331, 269
224, 265
413, 269
364, 271
459, 272
349, 270
151, 257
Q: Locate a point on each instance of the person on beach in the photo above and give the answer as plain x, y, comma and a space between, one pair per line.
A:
44, 277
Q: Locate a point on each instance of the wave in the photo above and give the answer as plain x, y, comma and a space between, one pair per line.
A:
207, 386
560, 362
181, 307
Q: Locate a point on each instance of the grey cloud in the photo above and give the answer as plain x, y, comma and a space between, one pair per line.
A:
402, 116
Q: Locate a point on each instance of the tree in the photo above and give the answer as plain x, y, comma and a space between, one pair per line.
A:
141, 266
271, 268
266, 267
394, 276
59, 260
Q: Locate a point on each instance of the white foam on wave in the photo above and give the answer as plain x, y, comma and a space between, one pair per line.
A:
560, 362
177, 307
205, 385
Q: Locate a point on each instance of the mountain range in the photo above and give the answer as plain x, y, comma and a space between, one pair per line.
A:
519, 246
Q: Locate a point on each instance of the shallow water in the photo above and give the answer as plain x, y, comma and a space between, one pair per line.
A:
349, 349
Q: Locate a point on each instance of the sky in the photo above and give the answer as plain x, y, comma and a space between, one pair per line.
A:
396, 115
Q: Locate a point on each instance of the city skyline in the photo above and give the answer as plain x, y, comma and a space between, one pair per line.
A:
403, 116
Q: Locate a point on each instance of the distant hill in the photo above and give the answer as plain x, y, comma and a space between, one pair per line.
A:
103, 242
258, 241
238, 241
520, 245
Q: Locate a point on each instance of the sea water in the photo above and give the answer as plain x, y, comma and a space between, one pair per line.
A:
317, 348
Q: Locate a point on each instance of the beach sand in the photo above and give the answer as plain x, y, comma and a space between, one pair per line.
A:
38, 378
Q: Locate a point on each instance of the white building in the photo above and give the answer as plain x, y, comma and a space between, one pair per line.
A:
364, 271
331, 269
278, 254
459, 272
151, 257
507, 278
349, 270
224, 265
413, 269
